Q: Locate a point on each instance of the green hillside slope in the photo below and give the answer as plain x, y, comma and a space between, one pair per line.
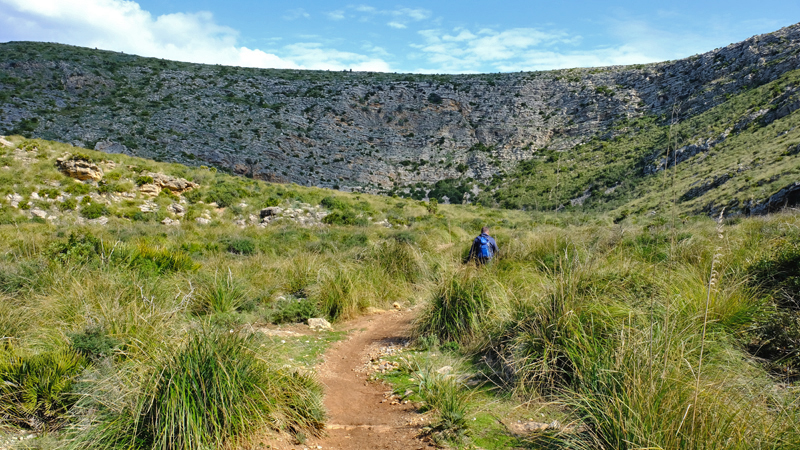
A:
736, 156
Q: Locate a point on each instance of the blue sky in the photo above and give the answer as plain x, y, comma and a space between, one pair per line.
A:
463, 36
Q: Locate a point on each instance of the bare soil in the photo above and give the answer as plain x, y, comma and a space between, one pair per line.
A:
360, 417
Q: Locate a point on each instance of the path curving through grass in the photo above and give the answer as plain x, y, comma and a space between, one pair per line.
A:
359, 416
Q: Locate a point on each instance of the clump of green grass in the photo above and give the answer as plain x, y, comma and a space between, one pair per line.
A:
208, 393
220, 295
448, 398
241, 246
337, 294
155, 259
458, 306
293, 310
401, 260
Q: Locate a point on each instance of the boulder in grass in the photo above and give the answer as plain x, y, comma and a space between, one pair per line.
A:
271, 211
318, 323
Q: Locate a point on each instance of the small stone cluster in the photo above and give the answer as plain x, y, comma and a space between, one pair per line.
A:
378, 362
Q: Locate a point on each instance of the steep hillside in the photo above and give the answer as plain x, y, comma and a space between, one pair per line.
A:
389, 132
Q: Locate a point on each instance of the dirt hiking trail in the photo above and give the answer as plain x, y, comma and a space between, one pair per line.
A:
360, 416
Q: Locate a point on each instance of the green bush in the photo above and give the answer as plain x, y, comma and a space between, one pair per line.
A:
292, 310
78, 248
241, 246
224, 194
68, 204
94, 210
141, 180
193, 196
344, 218
93, 343
332, 202
77, 188
36, 390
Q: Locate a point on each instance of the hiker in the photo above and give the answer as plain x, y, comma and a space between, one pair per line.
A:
483, 247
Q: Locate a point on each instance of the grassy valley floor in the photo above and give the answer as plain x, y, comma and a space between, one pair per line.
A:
137, 315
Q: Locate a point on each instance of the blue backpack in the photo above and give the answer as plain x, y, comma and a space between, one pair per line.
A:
486, 249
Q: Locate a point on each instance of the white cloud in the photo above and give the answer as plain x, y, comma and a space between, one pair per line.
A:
122, 25
465, 51
294, 14
315, 56
400, 17
335, 15
413, 14
632, 41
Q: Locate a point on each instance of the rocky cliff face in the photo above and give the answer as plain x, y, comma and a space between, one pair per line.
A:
367, 131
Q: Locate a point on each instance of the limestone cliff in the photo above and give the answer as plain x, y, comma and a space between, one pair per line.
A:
353, 130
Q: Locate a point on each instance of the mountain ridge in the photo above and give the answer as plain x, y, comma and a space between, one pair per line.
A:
408, 134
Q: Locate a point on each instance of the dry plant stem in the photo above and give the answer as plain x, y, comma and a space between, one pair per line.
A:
712, 280
674, 145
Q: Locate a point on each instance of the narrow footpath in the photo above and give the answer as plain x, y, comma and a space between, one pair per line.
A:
360, 417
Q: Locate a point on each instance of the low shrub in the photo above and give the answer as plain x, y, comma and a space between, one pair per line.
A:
332, 202
68, 204
78, 188
78, 248
292, 310
141, 180
344, 218
241, 246
93, 343
94, 210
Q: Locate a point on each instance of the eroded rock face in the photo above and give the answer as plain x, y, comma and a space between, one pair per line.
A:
111, 147
79, 169
787, 197
149, 189
174, 184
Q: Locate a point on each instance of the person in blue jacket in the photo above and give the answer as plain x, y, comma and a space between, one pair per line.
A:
484, 247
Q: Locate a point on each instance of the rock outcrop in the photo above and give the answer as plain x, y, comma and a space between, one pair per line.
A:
174, 184
79, 169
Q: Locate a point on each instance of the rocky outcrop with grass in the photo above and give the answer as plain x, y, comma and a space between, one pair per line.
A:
368, 131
